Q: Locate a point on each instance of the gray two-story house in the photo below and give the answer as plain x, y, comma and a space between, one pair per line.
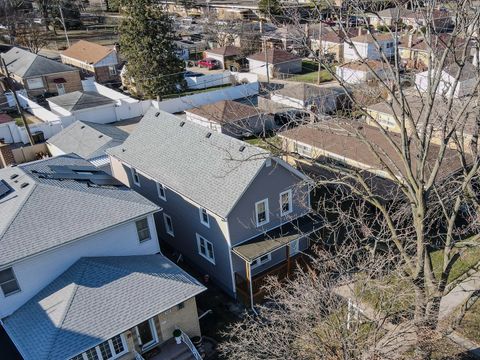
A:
230, 208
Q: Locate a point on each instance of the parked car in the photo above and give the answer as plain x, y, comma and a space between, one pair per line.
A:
211, 64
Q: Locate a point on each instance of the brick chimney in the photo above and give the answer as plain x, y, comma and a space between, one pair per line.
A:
6, 155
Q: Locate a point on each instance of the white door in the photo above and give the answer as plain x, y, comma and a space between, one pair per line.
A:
147, 334
60, 89
294, 247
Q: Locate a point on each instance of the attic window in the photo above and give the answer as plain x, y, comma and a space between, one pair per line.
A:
24, 185
182, 123
208, 135
241, 148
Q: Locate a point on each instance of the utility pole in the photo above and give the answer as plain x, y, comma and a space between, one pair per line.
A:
320, 52
17, 102
64, 26
266, 60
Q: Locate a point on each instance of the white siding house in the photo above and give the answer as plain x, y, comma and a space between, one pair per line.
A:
357, 72
367, 48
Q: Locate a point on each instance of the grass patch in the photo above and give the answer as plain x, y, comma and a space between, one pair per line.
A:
469, 257
470, 325
271, 144
19, 121
309, 73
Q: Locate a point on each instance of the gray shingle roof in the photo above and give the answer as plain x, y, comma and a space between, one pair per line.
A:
467, 71
94, 300
79, 100
26, 64
87, 139
59, 211
211, 171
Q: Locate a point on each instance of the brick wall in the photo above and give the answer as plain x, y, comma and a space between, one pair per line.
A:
73, 81
102, 75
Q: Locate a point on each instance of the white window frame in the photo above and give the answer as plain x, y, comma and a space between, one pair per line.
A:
112, 350
136, 176
259, 262
290, 202
161, 187
110, 68
14, 279
34, 83
203, 211
267, 215
60, 88
138, 232
201, 239
168, 229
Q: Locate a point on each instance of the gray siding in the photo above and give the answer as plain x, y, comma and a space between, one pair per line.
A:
269, 183
186, 224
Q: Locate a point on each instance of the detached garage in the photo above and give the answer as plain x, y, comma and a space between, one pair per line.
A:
358, 72
85, 106
279, 61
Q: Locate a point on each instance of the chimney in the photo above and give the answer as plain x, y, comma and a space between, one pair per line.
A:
410, 41
6, 155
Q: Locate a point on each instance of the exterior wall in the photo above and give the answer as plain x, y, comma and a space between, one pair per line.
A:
217, 57
268, 184
185, 217
34, 273
291, 67
185, 319
102, 75
257, 67
463, 88
100, 70
73, 81
368, 51
100, 114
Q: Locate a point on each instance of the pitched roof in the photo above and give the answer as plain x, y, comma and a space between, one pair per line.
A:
396, 13
87, 51
87, 139
467, 71
80, 100
339, 140
304, 92
369, 38
210, 168
225, 111
226, 51
94, 300
62, 210
5, 118
26, 64
274, 56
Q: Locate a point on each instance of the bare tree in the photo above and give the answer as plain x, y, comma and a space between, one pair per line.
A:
31, 37
429, 156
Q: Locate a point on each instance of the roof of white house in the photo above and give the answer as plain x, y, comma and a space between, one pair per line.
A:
87, 52
26, 64
87, 139
48, 203
210, 168
94, 300
80, 100
304, 92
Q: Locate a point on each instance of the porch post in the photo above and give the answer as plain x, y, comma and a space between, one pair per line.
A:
248, 272
288, 259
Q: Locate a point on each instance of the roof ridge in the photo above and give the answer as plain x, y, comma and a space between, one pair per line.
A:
69, 304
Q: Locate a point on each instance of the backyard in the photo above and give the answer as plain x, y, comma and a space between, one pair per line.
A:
309, 73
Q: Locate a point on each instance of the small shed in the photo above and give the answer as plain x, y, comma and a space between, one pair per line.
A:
361, 71
225, 55
279, 61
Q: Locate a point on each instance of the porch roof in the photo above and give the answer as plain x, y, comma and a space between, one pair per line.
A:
278, 237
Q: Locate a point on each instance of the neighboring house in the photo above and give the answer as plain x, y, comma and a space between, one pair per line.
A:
39, 75
109, 308
84, 105
94, 60
7, 127
343, 142
362, 71
438, 19
367, 48
231, 118
456, 81
279, 61
311, 97
331, 43
249, 212
382, 114
58, 210
226, 56
88, 140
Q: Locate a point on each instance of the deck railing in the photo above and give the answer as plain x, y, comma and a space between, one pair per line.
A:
186, 340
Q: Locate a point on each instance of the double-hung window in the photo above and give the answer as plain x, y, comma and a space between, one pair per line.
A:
261, 212
168, 224
161, 192
286, 202
135, 177
205, 249
143, 230
8, 282
260, 261
204, 218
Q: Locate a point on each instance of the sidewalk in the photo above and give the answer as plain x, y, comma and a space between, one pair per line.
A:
459, 295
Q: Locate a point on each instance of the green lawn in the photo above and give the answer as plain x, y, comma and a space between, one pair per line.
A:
469, 257
309, 73
470, 325
272, 144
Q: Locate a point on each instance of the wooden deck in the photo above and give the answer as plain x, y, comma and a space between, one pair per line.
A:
282, 271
